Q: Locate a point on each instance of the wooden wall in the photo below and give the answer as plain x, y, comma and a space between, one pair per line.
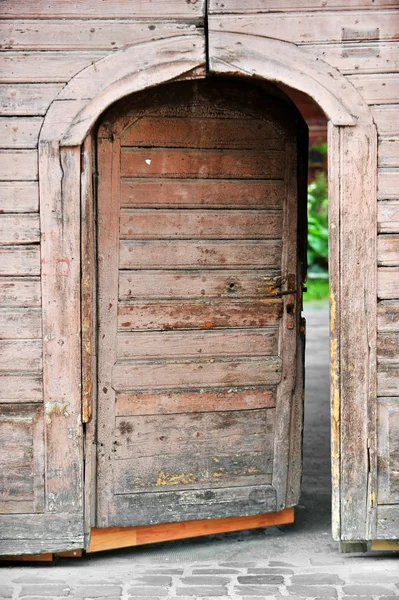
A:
43, 46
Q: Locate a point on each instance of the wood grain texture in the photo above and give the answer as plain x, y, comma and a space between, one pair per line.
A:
388, 347
147, 403
20, 260
352, 56
388, 282
386, 117
155, 316
377, 89
21, 462
387, 523
388, 217
84, 34
20, 323
252, 342
157, 254
388, 152
192, 193
259, 6
388, 250
19, 197
27, 98
19, 132
388, 184
196, 224
18, 165
20, 291
388, 379
19, 229
21, 387
21, 355
63, 9
388, 315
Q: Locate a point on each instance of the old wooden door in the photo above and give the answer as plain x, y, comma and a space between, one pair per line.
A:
199, 278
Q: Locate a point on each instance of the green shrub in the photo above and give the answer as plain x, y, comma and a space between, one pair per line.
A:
318, 225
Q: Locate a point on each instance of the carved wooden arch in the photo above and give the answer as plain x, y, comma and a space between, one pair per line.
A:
65, 181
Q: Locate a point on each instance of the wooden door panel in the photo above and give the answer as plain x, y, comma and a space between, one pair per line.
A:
197, 262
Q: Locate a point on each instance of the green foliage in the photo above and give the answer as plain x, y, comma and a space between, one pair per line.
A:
316, 289
318, 225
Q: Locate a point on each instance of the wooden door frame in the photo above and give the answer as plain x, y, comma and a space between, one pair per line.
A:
66, 194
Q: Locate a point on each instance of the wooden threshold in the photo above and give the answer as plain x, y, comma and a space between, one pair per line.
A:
385, 545
112, 538
47, 557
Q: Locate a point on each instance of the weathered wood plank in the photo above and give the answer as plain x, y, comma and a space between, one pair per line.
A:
192, 193
388, 379
350, 58
252, 342
388, 315
20, 291
201, 164
313, 27
19, 229
388, 456
174, 284
20, 323
50, 528
153, 316
188, 254
388, 152
84, 34
197, 224
84, 9
388, 184
45, 67
129, 375
18, 165
20, 260
191, 505
387, 523
388, 217
388, 347
228, 133
21, 461
388, 282
21, 355
27, 99
21, 387
377, 89
386, 118
19, 196
388, 250
19, 132
259, 6
147, 403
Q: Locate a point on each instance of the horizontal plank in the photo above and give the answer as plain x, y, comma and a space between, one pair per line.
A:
173, 284
27, 99
377, 89
388, 216
20, 323
154, 316
202, 164
21, 355
253, 254
191, 471
144, 403
130, 375
388, 250
45, 527
388, 282
388, 184
19, 196
388, 315
191, 505
318, 27
19, 229
388, 152
79, 34
194, 193
20, 291
45, 67
197, 224
388, 347
20, 260
367, 57
18, 165
19, 132
388, 379
259, 6
169, 132
386, 118
84, 9
252, 342
387, 522
18, 387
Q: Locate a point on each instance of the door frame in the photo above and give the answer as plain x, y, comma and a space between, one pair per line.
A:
66, 196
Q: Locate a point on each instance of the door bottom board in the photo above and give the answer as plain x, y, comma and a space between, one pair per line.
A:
112, 538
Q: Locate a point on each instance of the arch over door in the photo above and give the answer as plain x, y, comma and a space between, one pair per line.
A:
200, 266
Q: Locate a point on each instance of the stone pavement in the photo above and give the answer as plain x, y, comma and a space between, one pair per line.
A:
293, 561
